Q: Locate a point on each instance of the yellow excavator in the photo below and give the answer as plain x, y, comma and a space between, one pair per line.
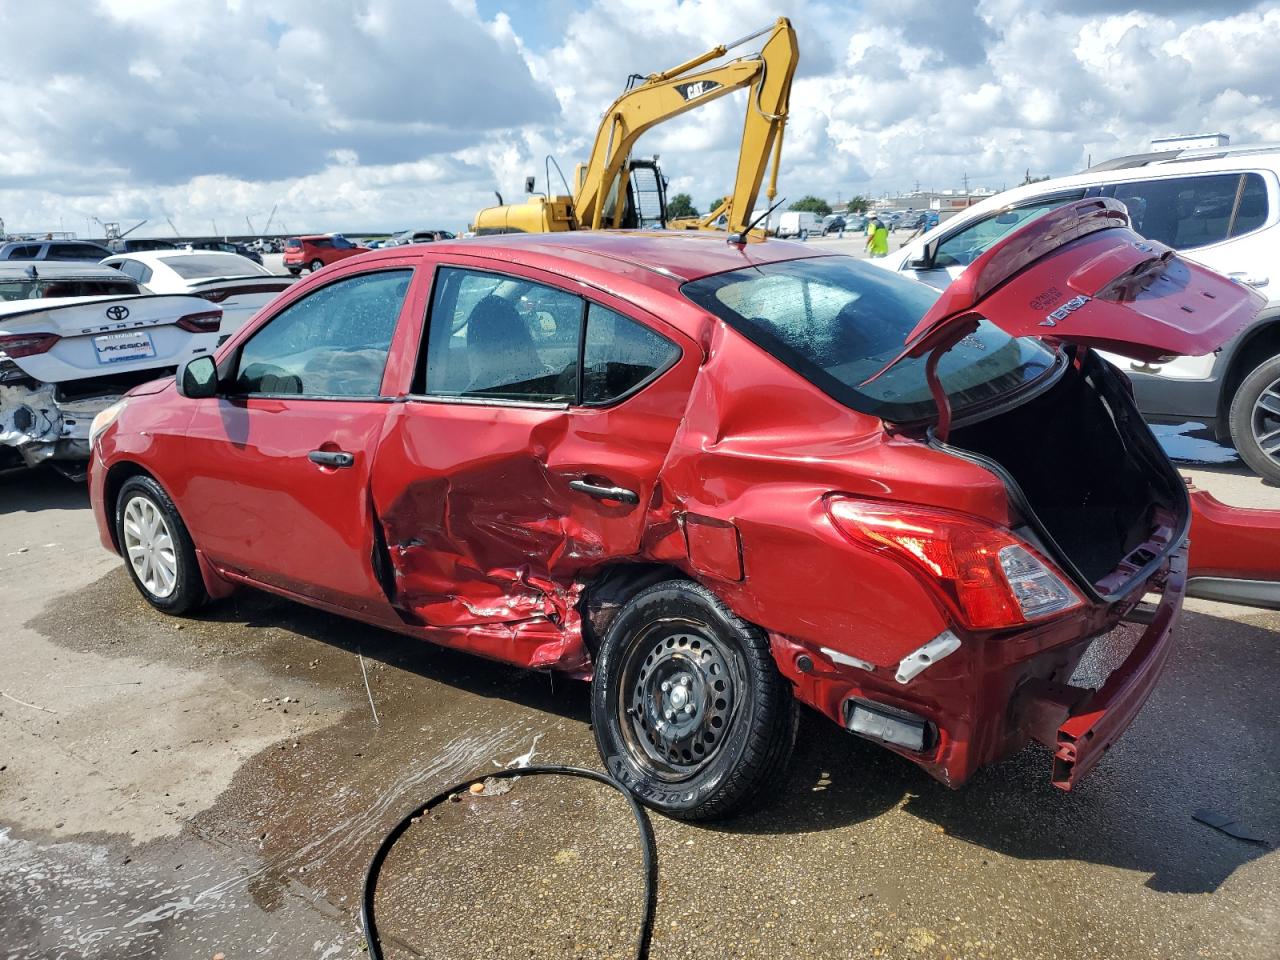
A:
613, 190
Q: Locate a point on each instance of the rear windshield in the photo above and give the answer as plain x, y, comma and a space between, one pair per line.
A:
195, 266
293, 243
51, 289
836, 321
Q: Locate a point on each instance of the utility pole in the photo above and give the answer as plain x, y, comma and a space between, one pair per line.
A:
965, 180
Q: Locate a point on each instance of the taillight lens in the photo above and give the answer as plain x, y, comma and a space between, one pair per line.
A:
201, 322
989, 577
16, 345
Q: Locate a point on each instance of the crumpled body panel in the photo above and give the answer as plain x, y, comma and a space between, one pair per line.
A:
40, 427
487, 546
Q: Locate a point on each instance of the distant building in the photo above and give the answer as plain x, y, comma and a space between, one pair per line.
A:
1192, 141
940, 200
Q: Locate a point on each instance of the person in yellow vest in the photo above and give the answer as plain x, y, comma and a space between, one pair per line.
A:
877, 237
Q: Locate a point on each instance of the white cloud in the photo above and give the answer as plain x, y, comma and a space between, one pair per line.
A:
391, 113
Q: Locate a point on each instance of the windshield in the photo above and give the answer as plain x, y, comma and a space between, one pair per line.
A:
195, 266
836, 321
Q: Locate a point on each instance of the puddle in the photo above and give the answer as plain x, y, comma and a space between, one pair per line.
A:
1192, 443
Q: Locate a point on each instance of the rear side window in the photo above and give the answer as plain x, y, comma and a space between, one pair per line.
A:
1190, 212
502, 337
331, 343
77, 252
323, 243
836, 321
29, 252
620, 355
134, 268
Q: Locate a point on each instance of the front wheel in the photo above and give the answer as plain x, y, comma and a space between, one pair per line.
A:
158, 552
1255, 420
688, 708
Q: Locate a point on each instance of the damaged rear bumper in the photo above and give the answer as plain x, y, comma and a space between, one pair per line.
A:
986, 700
39, 426
1080, 726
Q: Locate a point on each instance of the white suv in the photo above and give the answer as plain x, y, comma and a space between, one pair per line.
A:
1220, 206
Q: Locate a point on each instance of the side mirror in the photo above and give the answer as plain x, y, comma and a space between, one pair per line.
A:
198, 378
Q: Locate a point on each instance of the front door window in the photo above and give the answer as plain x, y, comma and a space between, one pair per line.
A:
331, 343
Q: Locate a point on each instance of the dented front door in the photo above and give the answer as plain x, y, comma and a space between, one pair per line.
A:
493, 506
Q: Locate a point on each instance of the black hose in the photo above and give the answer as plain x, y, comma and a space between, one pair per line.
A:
648, 848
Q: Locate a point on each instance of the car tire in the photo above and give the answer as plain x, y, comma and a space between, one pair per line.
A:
295, 272
1255, 420
315, 265
157, 549
719, 744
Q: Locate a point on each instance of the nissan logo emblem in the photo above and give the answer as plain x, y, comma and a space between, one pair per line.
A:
117, 313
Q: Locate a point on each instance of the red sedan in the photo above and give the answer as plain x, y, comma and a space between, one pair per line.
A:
718, 479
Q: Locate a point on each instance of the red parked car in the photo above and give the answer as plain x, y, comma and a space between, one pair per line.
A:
318, 251
718, 479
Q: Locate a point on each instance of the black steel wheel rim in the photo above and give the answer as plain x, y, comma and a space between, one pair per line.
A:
680, 691
1265, 422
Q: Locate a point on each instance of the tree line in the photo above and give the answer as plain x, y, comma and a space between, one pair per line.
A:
681, 205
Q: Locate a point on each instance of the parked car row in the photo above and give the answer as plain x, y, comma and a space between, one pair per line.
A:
1219, 207
74, 336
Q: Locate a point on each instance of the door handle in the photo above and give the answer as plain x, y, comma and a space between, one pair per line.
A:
331, 458
604, 491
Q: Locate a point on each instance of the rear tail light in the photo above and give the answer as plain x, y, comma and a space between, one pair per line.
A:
214, 296
988, 576
16, 345
201, 322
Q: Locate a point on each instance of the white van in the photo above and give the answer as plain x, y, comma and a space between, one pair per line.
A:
1219, 206
799, 223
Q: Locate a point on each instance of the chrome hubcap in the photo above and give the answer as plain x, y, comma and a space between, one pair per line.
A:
679, 697
149, 546
1266, 421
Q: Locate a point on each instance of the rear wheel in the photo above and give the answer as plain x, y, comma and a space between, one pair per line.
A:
158, 552
1255, 420
688, 708
316, 265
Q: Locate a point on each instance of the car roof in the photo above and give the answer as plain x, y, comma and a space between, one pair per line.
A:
56, 270
1172, 163
678, 255
154, 257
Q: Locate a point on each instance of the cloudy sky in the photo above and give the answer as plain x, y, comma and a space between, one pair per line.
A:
385, 114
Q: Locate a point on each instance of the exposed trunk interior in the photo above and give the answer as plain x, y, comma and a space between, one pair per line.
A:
1087, 467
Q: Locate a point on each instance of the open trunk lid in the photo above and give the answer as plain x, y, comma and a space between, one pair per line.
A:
1079, 274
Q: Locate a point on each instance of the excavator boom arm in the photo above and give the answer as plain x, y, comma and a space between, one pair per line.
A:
663, 96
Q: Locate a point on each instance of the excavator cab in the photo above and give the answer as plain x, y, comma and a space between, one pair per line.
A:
646, 201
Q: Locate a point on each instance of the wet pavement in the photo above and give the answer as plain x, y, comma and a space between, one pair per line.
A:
216, 785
